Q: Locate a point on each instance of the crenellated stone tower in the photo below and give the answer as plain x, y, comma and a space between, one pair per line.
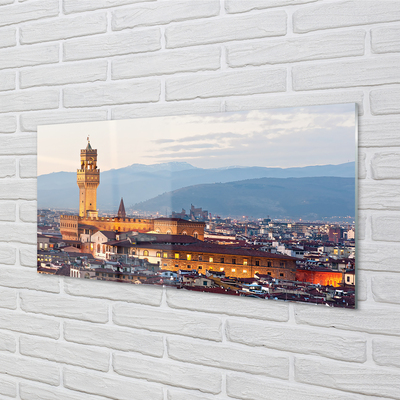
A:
88, 179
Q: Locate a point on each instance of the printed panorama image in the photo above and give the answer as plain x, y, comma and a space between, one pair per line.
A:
257, 203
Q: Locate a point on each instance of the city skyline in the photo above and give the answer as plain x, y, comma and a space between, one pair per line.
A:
290, 137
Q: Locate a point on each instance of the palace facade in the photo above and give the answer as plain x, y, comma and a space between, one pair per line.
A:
80, 227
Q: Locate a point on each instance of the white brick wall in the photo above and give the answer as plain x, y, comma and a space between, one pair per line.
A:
87, 60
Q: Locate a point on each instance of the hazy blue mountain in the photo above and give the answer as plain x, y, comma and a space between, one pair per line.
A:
307, 198
138, 182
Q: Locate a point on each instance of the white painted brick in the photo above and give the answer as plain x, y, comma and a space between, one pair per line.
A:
63, 28
8, 299
342, 74
28, 11
163, 109
349, 377
116, 93
162, 13
385, 288
8, 37
8, 123
344, 13
7, 80
128, 42
17, 232
248, 387
162, 320
379, 131
367, 318
298, 340
231, 305
28, 211
386, 352
226, 84
7, 167
228, 357
22, 278
378, 256
386, 165
168, 62
28, 256
362, 287
181, 394
18, 144
266, 24
110, 386
114, 291
30, 324
342, 44
18, 189
235, 6
67, 307
385, 101
385, 39
386, 227
7, 211
361, 225
25, 367
7, 386
29, 391
71, 6
30, 121
65, 73
282, 100
25, 56
362, 168
7, 257
27, 167
168, 372
114, 338
27, 100
379, 195
65, 353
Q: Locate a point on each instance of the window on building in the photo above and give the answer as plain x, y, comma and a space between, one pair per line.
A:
222, 260
281, 274
211, 259
98, 248
221, 269
257, 263
245, 271
269, 264
165, 254
189, 267
176, 265
282, 264
176, 256
45, 245
269, 273
184, 233
233, 260
200, 267
200, 258
158, 254
145, 252
348, 279
195, 235
205, 283
245, 261
188, 257
40, 245
233, 269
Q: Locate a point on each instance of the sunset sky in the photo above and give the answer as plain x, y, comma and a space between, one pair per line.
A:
287, 137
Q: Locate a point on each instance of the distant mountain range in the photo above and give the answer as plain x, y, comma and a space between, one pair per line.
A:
139, 183
307, 198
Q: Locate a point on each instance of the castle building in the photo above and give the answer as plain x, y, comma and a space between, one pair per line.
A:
87, 222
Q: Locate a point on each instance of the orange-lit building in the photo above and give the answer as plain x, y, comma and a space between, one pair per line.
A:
322, 276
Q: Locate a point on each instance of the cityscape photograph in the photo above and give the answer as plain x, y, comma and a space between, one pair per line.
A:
258, 203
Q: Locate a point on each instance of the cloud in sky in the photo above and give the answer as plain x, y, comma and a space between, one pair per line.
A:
277, 138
